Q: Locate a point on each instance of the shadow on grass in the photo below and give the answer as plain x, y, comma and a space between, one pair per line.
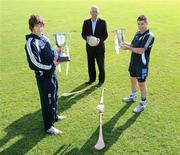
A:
63, 149
66, 102
26, 130
24, 133
111, 135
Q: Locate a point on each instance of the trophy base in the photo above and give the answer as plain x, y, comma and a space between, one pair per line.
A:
63, 58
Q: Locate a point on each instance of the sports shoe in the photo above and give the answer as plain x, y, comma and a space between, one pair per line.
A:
140, 107
54, 131
99, 85
60, 117
131, 98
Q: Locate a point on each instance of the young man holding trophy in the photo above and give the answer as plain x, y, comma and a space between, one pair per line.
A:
94, 32
140, 47
43, 60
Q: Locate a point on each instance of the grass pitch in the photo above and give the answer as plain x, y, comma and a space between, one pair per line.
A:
155, 131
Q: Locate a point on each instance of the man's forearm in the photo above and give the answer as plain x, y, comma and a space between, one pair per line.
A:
103, 38
84, 36
137, 50
128, 44
131, 48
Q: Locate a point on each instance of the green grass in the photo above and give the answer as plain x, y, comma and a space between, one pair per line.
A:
155, 131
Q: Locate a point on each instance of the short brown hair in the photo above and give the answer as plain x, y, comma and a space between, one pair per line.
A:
35, 19
142, 18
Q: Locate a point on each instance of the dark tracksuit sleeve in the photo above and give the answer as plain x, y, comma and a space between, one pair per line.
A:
84, 31
105, 33
34, 58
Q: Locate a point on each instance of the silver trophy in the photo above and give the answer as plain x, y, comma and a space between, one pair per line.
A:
60, 41
118, 39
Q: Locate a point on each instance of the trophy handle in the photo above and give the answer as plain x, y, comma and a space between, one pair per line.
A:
116, 44
118, 39
67, 63
59, 68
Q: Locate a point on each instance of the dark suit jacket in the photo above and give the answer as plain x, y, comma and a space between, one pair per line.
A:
100, 32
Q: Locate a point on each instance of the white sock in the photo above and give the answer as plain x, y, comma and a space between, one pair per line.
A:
133, 93
143, 102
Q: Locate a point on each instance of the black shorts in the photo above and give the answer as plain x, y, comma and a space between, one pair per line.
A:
140, 73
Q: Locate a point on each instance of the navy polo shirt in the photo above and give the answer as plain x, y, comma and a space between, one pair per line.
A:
142, 40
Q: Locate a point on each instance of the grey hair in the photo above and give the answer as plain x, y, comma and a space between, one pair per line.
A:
94, 7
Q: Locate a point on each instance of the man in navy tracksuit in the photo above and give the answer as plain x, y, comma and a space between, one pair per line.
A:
40, 57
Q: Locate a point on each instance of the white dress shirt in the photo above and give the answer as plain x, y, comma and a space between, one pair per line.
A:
93, 25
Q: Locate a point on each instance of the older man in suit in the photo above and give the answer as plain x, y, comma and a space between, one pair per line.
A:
95, 27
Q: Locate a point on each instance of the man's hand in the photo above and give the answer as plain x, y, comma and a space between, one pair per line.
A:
126, 43
134, 50
126, 46
56, 62
98, 41
87, 39
60, 49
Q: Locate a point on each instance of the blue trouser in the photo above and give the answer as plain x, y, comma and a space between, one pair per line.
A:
48, 90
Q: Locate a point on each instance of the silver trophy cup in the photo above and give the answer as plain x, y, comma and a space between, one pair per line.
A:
118, 39
61, 41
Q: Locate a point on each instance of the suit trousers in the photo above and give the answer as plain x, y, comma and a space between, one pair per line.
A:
98, 55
